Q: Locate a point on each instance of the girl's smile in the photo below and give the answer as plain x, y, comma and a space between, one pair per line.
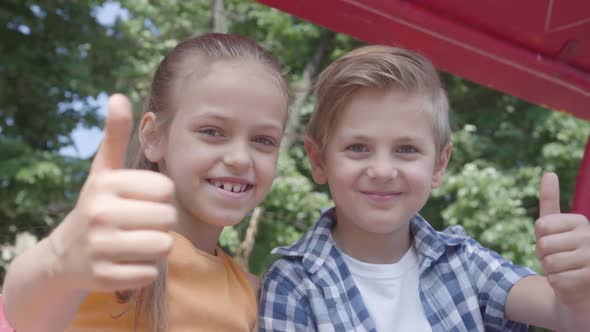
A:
231, 186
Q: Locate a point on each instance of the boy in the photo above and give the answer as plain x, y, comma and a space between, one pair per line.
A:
380, 138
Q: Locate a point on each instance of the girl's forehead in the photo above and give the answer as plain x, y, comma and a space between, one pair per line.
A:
229, 74
239, 93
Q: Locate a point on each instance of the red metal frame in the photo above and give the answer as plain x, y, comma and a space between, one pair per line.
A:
478, 53
581, 203
538, 50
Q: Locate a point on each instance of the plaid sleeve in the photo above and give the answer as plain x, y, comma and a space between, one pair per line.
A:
283, 307
494, 277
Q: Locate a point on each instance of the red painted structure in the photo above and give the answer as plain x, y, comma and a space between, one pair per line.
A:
538, 50
581, 202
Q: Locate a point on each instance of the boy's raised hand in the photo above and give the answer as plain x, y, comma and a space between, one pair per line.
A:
563, 247
118, 231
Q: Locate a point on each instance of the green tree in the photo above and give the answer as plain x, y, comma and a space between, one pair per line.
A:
502, 145
53, 57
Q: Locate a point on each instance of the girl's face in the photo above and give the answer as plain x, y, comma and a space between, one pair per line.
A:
222, 144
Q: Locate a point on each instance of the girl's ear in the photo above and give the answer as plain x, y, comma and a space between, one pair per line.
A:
315, 157
441, 166
151, 137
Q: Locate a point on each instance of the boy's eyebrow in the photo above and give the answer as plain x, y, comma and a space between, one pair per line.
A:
271, 126
362, 137
356, 136
408, 139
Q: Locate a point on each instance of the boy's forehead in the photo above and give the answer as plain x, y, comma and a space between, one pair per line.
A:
379, 112
376, 96
372, 105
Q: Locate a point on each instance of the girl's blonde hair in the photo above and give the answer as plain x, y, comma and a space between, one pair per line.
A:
381, 67
189, 59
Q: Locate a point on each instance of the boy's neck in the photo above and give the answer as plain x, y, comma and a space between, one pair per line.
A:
372, 248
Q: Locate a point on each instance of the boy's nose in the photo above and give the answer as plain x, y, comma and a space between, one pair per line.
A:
382, 171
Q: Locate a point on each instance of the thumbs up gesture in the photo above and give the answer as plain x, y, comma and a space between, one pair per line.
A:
563, 247
118, 230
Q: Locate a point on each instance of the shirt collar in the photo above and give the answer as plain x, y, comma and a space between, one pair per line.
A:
317, 245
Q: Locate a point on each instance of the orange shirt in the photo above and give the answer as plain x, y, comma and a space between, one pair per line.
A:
204, 293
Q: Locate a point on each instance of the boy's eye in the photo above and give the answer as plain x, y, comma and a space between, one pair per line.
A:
407, 149
358, 148
264, 140
211, 132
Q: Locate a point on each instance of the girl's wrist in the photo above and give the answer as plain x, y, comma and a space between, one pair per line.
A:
53, 248
55, 271
54, 268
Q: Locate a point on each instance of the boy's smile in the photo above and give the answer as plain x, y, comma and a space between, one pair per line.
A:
380, 162
381, 198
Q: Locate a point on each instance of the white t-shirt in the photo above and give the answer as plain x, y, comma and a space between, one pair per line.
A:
390, 292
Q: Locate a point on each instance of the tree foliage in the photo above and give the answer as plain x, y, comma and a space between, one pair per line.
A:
54, 58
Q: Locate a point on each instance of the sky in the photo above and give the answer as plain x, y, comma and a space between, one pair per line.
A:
86, 140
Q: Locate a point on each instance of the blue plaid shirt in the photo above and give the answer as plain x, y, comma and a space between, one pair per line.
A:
463, 286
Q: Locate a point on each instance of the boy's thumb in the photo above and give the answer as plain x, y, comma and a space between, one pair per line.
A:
117, 132
549, 196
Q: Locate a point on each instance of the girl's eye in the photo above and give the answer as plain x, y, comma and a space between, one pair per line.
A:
407, 149
358, 148
211, 132
265, 140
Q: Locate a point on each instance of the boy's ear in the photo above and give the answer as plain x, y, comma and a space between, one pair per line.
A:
441, 166
315, 157
151, 138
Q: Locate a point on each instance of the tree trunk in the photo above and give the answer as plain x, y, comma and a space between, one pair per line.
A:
304, 90
244, 250
219, 17
293, 125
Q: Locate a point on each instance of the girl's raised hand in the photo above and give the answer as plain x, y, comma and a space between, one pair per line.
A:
118, 231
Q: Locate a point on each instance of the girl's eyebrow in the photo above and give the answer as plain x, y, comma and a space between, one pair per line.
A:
209, 114
218, 116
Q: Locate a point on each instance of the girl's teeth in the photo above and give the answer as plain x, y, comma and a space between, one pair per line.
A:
235, 188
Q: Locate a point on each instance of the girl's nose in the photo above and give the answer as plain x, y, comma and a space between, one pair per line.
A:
238, 157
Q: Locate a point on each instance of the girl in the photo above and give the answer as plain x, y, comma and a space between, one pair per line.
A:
211, 131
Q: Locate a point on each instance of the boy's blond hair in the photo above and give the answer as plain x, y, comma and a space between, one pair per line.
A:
381, 67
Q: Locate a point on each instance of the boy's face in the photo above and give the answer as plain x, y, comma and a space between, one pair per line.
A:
380, 160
